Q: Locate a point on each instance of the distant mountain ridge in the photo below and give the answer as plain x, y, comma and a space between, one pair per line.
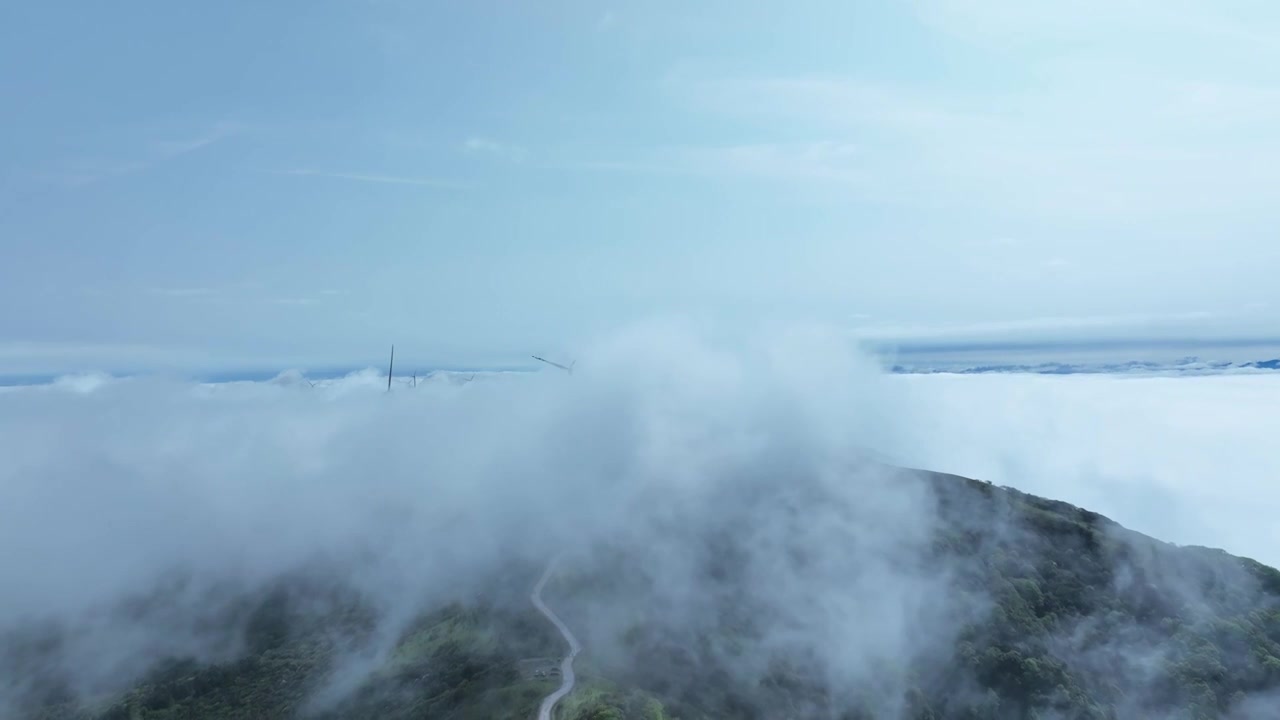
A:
1185, 366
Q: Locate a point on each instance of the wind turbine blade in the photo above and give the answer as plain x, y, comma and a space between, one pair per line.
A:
556, 364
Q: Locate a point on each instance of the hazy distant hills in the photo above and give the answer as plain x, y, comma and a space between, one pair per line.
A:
910, 364
1187, 366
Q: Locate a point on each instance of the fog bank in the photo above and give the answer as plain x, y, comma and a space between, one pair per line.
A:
420, 495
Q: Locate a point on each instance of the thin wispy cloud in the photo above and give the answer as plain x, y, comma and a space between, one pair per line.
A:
1094, 136
1024, 327
476, 145
436, 183
820, 160
1230, 27
88, 171
182, 292
55, 356
649, 163
817, 160
243, 297
1127, 151
174, 148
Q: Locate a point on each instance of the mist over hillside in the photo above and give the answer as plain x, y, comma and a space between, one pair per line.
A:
734, 544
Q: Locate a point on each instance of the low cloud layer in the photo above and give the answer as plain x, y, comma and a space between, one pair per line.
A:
112, 487
1189, 460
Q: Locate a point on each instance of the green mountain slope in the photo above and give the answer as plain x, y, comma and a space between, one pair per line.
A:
1003, 605
1061, 613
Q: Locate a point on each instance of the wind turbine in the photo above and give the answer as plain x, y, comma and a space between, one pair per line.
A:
391, 367
567, 368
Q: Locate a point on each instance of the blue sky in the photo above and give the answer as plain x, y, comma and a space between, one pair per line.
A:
302, 183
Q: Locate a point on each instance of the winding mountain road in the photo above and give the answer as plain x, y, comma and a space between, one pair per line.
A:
566, 666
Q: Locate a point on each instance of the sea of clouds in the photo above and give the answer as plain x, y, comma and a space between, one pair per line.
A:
1189, 460
111, 486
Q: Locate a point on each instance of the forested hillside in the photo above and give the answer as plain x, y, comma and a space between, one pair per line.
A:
1001, 605
1058, 613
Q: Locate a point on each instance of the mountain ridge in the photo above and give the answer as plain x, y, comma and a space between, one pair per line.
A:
1024, 606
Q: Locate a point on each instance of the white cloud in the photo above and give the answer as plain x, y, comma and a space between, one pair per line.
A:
418, 494
1187, 459
439, 485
